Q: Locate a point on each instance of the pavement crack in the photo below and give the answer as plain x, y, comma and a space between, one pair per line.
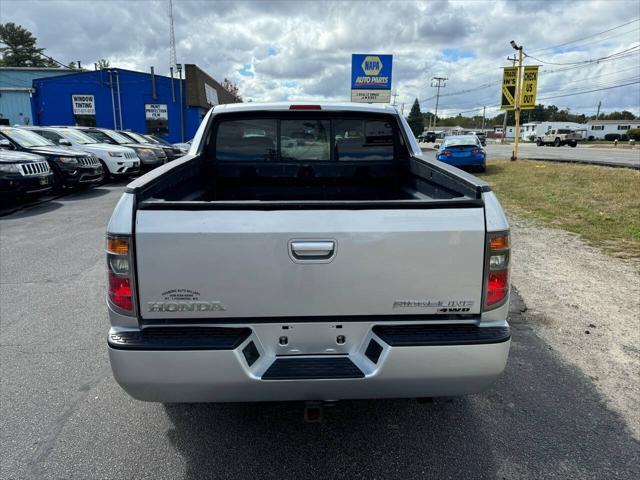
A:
46, 446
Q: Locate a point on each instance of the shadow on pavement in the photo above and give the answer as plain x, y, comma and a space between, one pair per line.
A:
542, 419
84, 194
27, 210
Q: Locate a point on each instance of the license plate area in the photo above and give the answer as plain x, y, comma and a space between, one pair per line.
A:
44, 181
311, 338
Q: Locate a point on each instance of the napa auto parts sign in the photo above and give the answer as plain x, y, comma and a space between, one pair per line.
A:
372, 73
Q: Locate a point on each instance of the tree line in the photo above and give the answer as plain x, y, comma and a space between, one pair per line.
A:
541, 113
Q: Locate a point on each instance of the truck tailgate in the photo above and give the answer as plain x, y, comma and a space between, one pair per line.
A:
296, 263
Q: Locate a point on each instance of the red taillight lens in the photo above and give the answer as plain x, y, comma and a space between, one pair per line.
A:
475, 152
445, 152
497, 287
119, 268
120, 292
496, 270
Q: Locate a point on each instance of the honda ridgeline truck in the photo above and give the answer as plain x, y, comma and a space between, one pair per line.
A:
340, 263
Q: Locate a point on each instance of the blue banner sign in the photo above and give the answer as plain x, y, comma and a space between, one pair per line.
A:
370, 71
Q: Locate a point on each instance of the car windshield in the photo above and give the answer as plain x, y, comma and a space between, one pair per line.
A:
460, 140
159, 140
76, 136
25, 138
564, 131
118, 138
137, 137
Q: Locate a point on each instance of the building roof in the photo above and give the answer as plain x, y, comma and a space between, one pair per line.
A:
613, 122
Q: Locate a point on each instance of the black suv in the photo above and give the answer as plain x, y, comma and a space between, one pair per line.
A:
171, 152
71, 168
23, 174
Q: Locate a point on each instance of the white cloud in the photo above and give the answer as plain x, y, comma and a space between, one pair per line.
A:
298, 50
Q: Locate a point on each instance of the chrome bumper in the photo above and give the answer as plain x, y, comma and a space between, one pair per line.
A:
228, 375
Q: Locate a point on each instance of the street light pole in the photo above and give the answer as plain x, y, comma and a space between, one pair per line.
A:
514, 155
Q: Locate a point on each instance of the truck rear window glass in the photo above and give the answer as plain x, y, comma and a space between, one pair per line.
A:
359, 139
246, 140
305, 140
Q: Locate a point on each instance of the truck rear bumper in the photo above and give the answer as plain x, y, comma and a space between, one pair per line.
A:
385, 364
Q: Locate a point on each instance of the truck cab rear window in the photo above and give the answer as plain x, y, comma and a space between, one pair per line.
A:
246, 140
305, 140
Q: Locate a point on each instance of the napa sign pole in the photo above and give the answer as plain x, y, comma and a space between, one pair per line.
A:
371, 78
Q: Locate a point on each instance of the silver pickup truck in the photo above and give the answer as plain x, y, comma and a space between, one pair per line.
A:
306, 252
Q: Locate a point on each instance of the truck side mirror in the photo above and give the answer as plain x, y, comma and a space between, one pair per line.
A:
64, 142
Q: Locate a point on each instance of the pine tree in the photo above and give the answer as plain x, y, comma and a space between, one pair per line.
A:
415, 119
18, 48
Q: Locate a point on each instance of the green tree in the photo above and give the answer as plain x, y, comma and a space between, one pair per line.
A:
103, 63
18, 48
415, 119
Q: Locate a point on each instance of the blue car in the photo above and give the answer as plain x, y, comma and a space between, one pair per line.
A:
463, 151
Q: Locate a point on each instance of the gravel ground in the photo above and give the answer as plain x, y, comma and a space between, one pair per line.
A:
585, 305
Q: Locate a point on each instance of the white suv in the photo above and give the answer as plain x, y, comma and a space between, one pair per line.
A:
116, 161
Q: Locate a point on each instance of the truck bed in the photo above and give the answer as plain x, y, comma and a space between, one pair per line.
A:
201, 182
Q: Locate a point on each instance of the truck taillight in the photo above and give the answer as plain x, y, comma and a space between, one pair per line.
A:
119, 267
496, 283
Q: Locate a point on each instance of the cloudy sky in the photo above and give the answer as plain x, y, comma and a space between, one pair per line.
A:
296, 50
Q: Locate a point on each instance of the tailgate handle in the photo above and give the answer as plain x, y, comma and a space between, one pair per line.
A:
312, 250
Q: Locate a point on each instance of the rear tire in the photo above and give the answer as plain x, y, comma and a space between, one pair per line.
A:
573, 144
539, 142
557, 143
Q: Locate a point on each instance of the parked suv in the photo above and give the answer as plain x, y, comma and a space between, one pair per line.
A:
171, 152
23, 174
559, 137
116, 161
71, 168
150, 157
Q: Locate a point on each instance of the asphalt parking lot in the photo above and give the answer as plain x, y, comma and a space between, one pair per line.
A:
62, 415
616, 157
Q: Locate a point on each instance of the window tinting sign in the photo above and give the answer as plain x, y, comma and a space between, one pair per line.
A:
83, 104
155, 111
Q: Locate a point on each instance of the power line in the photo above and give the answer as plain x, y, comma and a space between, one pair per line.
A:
591, 91
613, 55
585, 38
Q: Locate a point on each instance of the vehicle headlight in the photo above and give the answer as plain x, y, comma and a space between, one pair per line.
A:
115, 154
71, 160
8, 167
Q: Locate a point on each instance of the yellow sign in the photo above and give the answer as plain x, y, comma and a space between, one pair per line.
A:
529, 87
509, 81
371, 65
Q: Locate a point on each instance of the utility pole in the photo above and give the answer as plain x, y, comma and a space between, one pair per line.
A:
395, 94
506, 112
599, 105
484, 110
438, 82
514, 155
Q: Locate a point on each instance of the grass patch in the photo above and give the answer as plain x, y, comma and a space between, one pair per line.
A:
601, 204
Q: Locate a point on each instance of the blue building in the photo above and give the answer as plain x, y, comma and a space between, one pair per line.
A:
16, 88
127, 100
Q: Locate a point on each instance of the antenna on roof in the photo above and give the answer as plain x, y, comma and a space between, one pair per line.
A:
173, 59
